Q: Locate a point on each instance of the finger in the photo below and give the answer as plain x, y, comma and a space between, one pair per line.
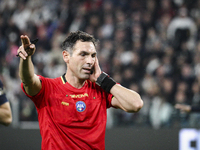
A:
22, 56
22, 53
97, 67
18, 54
25, 40
30, 49
97, 61
32, 46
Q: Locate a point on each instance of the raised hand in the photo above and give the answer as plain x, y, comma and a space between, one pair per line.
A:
96, 71
27, 48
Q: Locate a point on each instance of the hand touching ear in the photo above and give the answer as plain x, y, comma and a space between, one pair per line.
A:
96, 71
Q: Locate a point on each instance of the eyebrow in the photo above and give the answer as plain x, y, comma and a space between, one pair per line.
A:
87, 52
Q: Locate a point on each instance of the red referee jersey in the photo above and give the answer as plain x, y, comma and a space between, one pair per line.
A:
71, 118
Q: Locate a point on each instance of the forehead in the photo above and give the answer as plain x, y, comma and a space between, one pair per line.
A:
84, 46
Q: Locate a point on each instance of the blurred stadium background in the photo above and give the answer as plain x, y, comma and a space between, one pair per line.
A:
150, 46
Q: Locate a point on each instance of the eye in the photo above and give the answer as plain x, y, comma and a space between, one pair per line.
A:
94, 55
83, 54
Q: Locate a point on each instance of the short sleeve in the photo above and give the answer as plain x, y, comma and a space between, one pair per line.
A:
109, 99
38, 97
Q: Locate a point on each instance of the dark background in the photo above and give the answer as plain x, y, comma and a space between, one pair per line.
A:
116, 139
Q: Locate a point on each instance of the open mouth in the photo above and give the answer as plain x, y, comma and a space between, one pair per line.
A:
86, 70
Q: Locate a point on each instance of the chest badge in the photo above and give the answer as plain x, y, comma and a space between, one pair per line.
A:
80, 106
65, 103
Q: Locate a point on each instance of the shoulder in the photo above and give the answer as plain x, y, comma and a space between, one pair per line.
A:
49, 82
42, 78
94, 88
92, 85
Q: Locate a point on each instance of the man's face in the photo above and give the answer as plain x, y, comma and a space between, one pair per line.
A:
82, 60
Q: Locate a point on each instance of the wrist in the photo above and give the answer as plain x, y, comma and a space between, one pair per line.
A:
105, 82
100, 79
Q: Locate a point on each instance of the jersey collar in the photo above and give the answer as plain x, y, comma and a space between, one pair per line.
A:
63, 78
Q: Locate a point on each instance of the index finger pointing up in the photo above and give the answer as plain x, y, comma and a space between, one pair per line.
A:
25, 40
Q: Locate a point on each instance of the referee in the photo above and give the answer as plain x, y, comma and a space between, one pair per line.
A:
72, 108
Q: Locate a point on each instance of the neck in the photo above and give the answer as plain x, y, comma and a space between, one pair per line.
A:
74, 81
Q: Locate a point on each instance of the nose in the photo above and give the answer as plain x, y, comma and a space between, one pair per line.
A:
90, 60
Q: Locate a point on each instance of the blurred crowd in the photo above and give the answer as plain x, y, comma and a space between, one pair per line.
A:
150, 46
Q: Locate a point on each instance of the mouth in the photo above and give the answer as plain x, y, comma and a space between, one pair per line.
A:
87, 70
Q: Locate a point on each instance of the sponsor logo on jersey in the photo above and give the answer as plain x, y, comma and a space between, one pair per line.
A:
65, 103
79, 95
80, 106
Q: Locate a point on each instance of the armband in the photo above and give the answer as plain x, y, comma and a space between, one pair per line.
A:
105, 82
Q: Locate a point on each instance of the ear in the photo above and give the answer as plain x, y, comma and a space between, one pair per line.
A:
66, 56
